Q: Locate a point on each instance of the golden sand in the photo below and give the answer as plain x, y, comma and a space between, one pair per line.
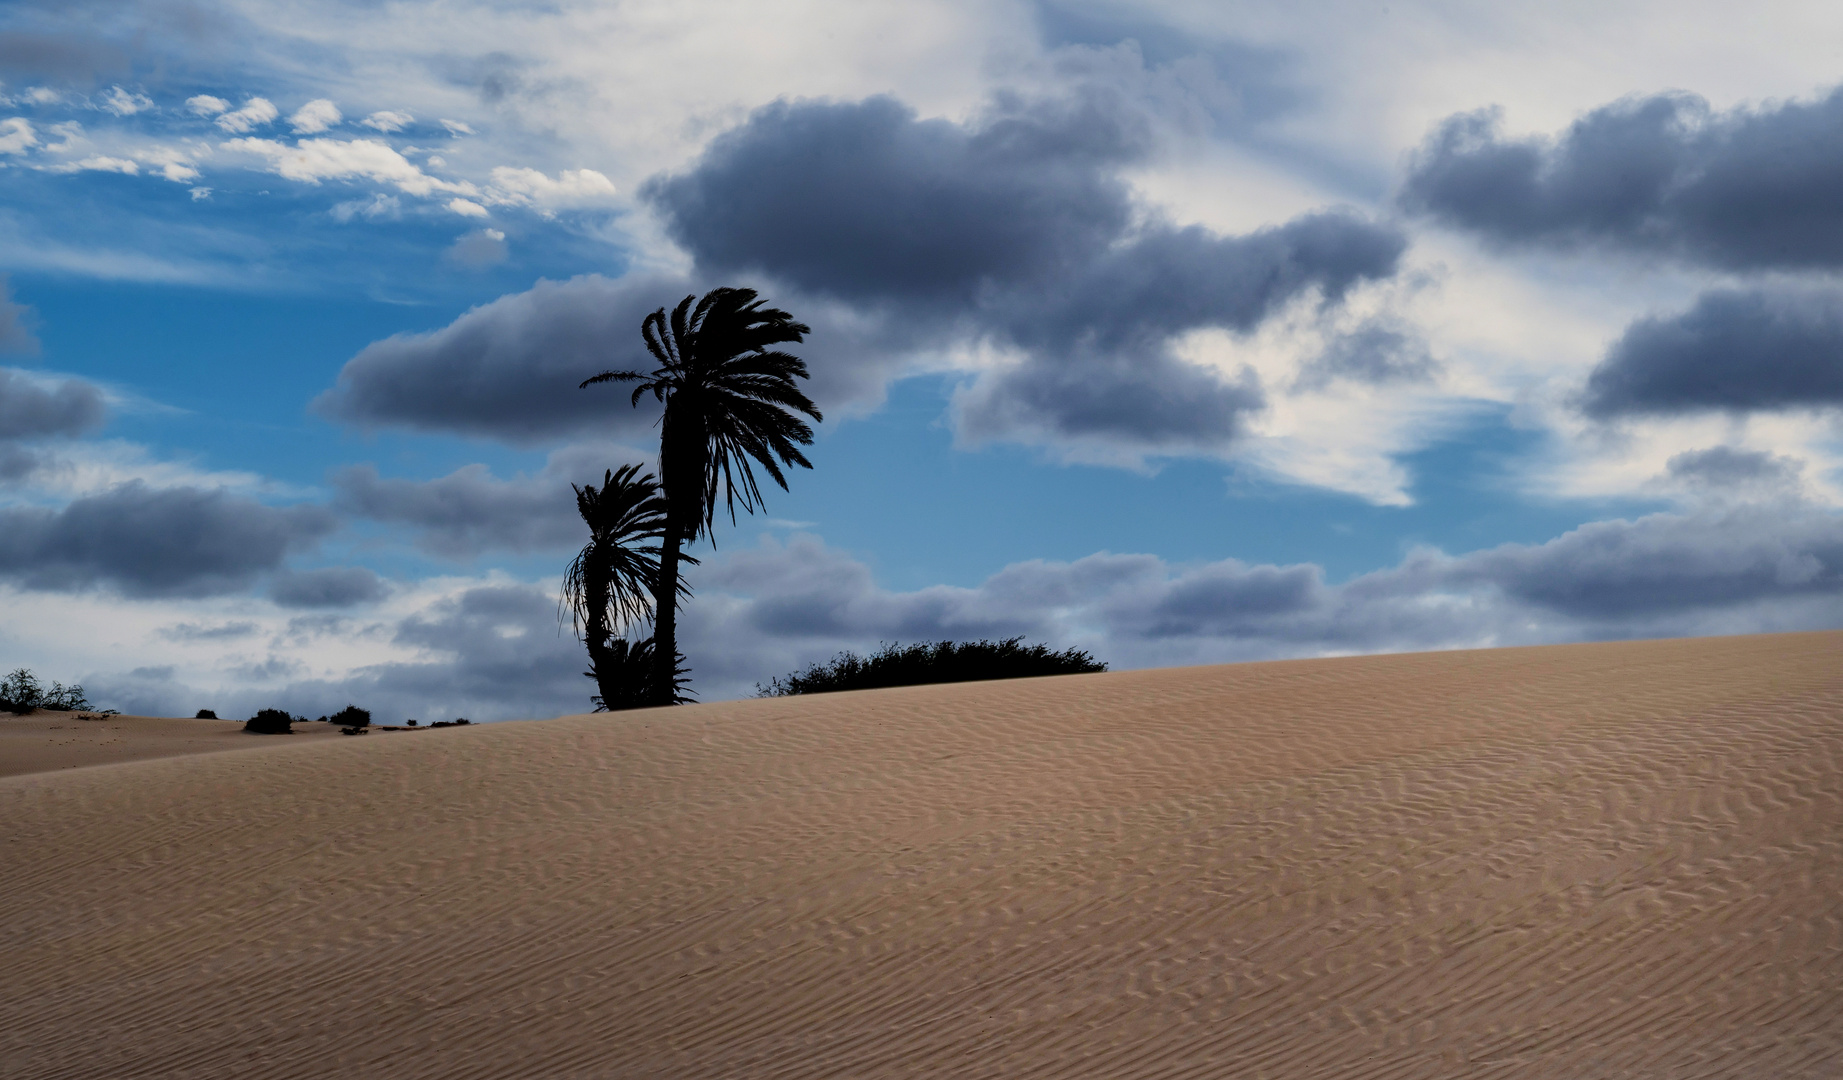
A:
1610, 860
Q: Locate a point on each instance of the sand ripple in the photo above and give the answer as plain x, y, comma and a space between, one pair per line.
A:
1614, 860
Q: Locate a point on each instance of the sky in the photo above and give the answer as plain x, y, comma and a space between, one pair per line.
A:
1176, 332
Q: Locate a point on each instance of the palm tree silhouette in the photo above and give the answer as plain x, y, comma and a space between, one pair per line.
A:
610, 583
729, 400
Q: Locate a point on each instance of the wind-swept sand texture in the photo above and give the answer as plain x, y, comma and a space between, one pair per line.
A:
1614, 860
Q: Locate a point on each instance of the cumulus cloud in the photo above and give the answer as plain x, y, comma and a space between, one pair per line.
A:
328, 587
510, 369
1748, 189
16, 135
571, 189
387, 121
1376, 352
255, 113
123, 103
314, 117
470, 511
33, 408
1017, 229
1734, 349
311, 161
467, 208
206, 105
900, 238
1728, 469
144, 541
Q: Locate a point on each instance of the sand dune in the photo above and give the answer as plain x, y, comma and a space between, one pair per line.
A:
44, 741
1618, 860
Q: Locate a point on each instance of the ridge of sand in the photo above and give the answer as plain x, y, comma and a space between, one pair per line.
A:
49, 740
1609, 860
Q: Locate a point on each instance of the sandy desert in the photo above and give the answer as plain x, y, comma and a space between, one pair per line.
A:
1603, 860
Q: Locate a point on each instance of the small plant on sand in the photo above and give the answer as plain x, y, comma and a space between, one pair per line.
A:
270, 722
206, 714
936, 662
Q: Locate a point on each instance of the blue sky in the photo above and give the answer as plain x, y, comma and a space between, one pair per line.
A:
1181, 333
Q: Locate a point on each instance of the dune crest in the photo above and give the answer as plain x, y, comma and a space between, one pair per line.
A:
1573, 861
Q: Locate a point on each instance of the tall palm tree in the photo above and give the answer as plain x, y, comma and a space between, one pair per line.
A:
610, 583
729, 401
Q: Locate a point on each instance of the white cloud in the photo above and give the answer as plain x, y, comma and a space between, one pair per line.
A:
387, 121
43, 95
199, 193
16, 135
571, 188
379, 205
122, 103
313, 160
314, 117
100, 163
206, 105
455, 127
466, 208
255, 113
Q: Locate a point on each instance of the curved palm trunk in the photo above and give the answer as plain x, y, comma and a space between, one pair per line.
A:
596, 585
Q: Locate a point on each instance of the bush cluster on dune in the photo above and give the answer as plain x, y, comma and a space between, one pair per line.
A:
21, 692
932, 662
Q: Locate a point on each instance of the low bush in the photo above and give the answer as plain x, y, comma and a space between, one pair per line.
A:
351, 716
270, 722
932, 662
206, 714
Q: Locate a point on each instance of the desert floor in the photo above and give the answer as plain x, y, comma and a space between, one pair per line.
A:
1609, 860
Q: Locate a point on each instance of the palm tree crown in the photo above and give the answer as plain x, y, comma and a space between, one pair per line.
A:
730, 402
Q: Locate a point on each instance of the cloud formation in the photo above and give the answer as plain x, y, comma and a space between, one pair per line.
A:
1765, 348
510, 369
327, 587
145, 542
469, 511
33, 408
1749, 189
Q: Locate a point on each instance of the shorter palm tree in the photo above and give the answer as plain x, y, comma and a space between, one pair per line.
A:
609, 585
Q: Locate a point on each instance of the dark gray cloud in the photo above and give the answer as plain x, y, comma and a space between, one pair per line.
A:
510, 369
1380, 351
145, 541
899, 238
30, 409
1725, 467
470, 511
186, 631
1016, 229
1737, 350
327, 587
1747, 189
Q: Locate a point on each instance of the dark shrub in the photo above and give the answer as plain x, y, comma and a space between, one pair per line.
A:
21, 692
206, 714
270, 722
937, 662
351, 716
462, 720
